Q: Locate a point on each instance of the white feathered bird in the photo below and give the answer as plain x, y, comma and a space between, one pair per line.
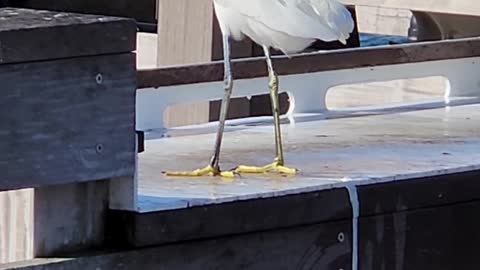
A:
287, 25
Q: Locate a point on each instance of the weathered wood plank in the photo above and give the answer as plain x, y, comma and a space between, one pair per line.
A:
69, 218
67, 121
313, 62
419, 193
140, 10
442, 238
237, 217
146, 229
16, 225
307, 247
30, 35
184, 32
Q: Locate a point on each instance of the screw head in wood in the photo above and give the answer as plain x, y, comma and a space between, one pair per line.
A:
341, 237
99, 148
99, 78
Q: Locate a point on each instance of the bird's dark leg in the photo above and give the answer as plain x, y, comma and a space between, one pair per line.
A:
228, 87
273, 85
213, 168
278, 164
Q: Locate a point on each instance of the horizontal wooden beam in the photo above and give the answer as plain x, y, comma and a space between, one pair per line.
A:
313, 62
463, 7
238, 217
140, 10
33, 35
67, 121
401, 237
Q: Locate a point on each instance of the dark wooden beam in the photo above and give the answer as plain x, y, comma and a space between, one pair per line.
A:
32, 35
131, 229
314, 62
440, 237
67, 121
219, 220
140, 10
306, 247
67, 110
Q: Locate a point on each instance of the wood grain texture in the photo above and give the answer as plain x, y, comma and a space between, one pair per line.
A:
313, 62
422, 192
132, 229
439, 236
305, 247
16, 225
185, 37
31, 35
61, 123
140, 10
443, 238
69, 218
184, 31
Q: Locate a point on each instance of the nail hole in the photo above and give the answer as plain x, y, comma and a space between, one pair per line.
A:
99, 148
341, 237
99, 78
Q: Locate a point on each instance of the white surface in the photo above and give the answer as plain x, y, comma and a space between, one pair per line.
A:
366, 149
308, 91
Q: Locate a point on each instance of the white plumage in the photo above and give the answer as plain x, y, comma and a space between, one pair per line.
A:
287, 25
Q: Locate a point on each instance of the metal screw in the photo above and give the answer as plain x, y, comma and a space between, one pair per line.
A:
99, 148
341, 237
99, 78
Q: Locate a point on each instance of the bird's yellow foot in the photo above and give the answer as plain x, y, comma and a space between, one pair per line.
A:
207, 171
274, 167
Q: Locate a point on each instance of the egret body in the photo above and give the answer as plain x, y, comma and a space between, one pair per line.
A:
287, 25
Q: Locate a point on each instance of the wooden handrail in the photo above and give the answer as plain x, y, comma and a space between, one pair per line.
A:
313, 62
459, 7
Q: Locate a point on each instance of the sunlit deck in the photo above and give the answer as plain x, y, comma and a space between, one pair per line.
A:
364, 147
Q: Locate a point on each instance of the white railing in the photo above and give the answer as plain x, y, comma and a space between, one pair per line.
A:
308, 91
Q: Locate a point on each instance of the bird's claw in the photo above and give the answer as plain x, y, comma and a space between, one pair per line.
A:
274, 167
207, 171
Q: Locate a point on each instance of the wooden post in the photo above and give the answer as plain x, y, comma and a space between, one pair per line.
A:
184, 37
67, 128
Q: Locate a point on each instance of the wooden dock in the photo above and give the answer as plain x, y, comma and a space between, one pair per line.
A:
382, 184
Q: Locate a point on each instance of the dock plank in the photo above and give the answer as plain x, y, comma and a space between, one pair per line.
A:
66, 124
380, 146
33, 35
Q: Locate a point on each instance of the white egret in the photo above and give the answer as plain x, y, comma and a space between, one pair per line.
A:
287, 25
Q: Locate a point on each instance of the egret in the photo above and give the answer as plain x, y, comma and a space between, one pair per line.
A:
286, 25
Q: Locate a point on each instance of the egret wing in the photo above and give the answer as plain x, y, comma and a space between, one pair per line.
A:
321, 19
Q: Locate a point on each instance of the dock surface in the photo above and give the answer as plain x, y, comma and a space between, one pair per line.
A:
329, 150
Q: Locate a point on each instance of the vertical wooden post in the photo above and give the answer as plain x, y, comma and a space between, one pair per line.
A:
184, 37
184, 31
188, 33
16, 225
